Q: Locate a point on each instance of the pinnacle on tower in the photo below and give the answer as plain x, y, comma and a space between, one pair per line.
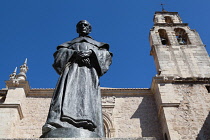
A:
13, 75
23, 70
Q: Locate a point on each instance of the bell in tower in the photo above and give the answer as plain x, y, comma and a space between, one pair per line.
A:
180, 40
164, 41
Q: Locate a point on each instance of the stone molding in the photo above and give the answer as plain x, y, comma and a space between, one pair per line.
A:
162, 105
22, 84
179, 80
108, 125
108, 104
126, 91
194, 80
48, 92
17, 106
161, 12
170, 24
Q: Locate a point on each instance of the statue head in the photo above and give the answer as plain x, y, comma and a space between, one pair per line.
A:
83, 28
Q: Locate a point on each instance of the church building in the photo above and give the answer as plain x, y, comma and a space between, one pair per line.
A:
175, 107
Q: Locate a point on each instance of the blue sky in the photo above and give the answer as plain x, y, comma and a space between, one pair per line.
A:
33, 28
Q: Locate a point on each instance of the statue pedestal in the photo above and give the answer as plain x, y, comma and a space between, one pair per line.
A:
144, 138
78, 134
70, 133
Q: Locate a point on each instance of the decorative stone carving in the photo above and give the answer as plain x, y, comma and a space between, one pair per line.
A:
108, 99
108, 111
21, 76
23, 70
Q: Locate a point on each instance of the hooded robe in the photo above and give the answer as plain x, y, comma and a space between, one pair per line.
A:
76, 101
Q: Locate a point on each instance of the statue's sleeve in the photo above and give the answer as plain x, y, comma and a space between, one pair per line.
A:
61, 57
103, 60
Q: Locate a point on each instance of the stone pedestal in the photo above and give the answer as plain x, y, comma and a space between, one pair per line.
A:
70, 133
144, 138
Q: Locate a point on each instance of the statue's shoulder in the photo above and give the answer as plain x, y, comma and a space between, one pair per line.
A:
65, 45
100, 45
88, 39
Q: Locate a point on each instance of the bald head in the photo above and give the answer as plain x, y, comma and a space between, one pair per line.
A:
83, 28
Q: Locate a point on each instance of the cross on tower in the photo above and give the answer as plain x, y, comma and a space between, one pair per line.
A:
162, 6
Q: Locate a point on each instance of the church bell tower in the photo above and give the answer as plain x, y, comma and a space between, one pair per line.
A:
182, 84
177, 49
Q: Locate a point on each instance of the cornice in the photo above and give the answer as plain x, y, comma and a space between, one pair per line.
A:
194, 80
170, 24
179, 80
165, 12
48, 92
104, 91
21, 84
125, 91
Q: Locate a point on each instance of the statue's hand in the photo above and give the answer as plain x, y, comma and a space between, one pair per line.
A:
86, 61
83, 57
84, 54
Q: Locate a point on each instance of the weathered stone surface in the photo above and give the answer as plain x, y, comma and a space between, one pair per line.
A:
186, 115
127, 113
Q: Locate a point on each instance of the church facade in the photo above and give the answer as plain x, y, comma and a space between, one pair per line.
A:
175, 107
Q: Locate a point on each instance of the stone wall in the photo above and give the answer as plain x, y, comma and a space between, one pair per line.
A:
9, 121
183, 108
136, 116
35, 112
191, 119
131, 113
182, 61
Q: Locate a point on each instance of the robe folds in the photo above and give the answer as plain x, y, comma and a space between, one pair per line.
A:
76, 101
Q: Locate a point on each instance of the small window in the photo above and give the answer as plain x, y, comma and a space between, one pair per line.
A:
181, 36
163, 37
168, 19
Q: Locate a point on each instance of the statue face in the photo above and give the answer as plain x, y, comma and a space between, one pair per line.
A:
83, 28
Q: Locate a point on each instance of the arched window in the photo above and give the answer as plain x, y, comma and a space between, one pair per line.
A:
108, 126
182, 36
163, 37
168, 19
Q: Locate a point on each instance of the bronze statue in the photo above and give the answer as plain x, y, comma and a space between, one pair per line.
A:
75, 109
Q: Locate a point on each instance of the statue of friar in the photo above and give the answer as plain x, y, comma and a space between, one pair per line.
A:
75, 109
